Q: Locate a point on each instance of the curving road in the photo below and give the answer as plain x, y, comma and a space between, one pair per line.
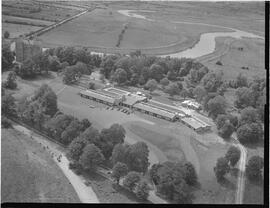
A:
241, 175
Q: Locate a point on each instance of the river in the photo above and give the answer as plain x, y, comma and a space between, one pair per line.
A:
206, 44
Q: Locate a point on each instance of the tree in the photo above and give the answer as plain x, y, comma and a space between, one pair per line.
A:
120, 76
107, 65
5, 123
245, 97
249, 133
75, 148
154, 173
6, 34
241, 80
47, 98
131, 180
199, 93
151, 85
164, 82
249, 115
217, 105
222, 167
7, 58
119, 170
71, 75
233, 155
212, 81
56, 125
190, 174
226, 130
71, 131
119, 153
137, 158
142, 190
85, 123
254, 168
172, 183
156, 72
91, 157
11, 81
172, 89
8, 105
221, 120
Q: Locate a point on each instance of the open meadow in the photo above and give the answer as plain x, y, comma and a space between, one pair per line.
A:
36, 10
29, 174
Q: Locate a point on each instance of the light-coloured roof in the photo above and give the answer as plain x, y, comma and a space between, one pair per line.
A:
157, 111
132, 99
98, 95
192, 122
167, 108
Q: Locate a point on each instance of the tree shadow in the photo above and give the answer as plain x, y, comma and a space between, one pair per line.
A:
227, 184
259, 144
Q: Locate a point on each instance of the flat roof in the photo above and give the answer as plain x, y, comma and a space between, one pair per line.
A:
192, 122
98, 95
132, 99
167, 108
157, 111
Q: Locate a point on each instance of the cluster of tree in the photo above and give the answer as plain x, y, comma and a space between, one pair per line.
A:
8, 106
140, 68
132, 181
36, 65
135, 156
73, 73
6, 34
7, 57
174, 180
226, 125
39, 108
253, 95
240, 81
224, 164
10, 83
104, 141
254, 168
57, 59
250, 127
121, 35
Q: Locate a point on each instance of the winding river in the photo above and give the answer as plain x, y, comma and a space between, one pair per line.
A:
206, 44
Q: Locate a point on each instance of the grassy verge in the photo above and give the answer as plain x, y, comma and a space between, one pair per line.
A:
29, 174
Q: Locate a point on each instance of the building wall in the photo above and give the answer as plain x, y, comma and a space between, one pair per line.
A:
26, 49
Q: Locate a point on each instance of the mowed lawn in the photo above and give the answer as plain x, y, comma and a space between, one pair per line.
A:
210, 191
29, 174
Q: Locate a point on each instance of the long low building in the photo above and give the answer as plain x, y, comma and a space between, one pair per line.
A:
141, 104
101, 96
195, 124
151, 110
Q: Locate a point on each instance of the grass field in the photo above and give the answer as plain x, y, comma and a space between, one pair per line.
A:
29, 174
34, 10
100, 28
247, 16
15, 30
252, 57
